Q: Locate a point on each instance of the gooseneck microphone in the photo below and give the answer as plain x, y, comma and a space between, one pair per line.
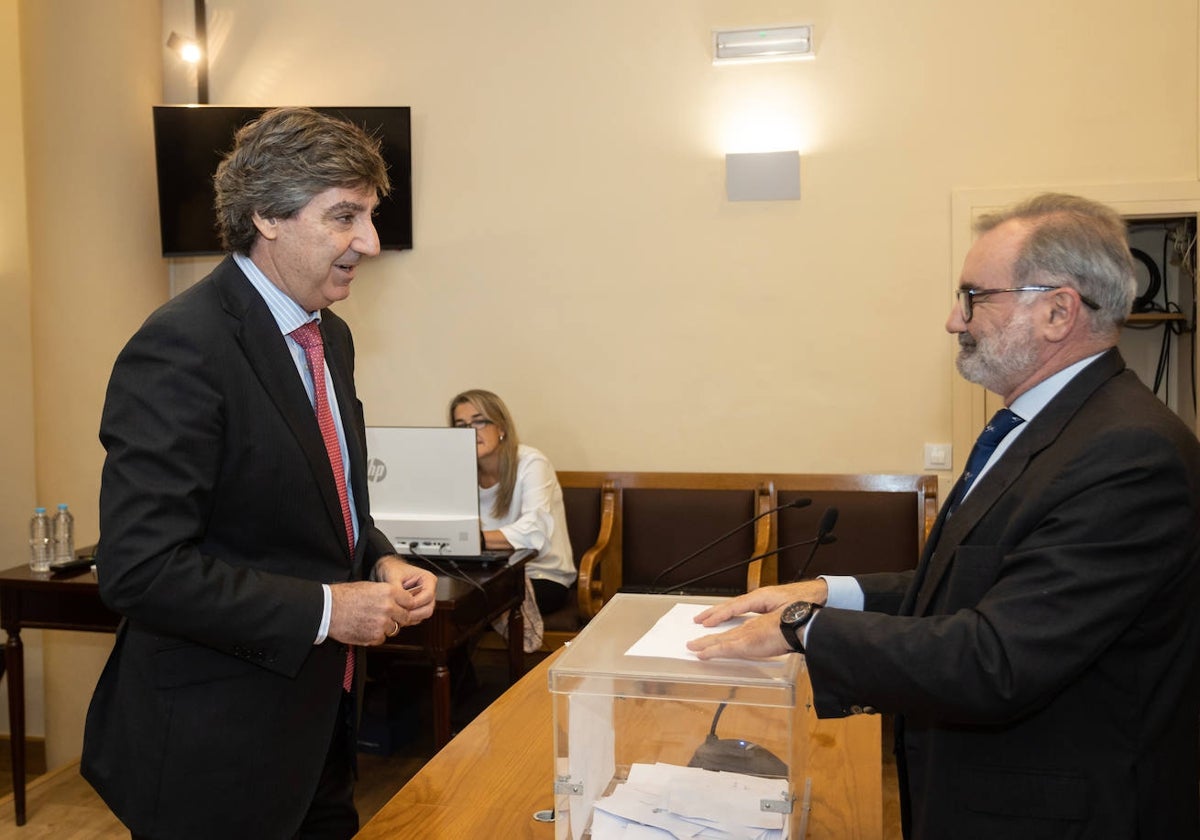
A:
795, 503
823, 537
828, 520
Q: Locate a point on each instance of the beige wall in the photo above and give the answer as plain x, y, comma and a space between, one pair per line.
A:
89, 73
18, 490
574, 248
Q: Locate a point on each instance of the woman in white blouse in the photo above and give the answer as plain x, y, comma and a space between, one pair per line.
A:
520, 500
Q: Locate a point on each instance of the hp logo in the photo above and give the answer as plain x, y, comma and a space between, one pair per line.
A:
376, 470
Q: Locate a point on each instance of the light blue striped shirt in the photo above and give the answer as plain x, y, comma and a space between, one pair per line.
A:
289, 316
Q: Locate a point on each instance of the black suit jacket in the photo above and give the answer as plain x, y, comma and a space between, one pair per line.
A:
219, 520
1043, 655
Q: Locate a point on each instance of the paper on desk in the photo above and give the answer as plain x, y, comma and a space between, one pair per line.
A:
670, 634
664, 800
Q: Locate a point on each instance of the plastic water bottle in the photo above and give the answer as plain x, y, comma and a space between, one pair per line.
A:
64, 535
40, 547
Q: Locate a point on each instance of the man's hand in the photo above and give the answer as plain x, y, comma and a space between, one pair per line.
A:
368, 613
757, 638
764, 600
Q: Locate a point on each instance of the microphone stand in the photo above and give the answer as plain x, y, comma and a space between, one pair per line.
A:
795, 503
828, 520
746, 562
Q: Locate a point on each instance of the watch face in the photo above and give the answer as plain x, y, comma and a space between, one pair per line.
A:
796, 613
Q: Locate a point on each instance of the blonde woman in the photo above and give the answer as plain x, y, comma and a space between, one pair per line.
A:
520, 500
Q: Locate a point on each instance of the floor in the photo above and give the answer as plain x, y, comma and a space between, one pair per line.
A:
60, 805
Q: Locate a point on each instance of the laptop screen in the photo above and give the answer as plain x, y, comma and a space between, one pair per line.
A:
424, 488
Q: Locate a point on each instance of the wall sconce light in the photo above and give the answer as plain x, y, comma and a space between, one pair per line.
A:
195, 50
186, 48
762, 176
781, 43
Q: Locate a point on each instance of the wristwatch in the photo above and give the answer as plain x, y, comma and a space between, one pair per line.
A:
792, 621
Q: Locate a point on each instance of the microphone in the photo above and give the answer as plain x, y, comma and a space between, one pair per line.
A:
826, 539
828, 520
795, 503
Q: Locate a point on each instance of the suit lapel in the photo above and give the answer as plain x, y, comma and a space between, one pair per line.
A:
258, 335
950, 532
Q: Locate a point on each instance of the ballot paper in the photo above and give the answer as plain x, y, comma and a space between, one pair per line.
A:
670, 634
664, 801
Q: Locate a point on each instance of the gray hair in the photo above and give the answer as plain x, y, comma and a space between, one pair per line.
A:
1079, 243
283, 159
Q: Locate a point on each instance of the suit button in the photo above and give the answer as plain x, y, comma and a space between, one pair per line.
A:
856, 710
869, 710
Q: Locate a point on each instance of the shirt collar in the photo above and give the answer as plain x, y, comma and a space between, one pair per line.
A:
1036, 398
287, 313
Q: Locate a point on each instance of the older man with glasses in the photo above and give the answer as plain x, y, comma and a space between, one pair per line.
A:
1042, 659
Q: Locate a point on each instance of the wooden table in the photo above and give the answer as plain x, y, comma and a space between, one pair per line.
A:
50, 602
499, 770
468, 600
465, 606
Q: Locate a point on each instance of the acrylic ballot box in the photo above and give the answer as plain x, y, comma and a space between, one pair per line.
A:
673, 743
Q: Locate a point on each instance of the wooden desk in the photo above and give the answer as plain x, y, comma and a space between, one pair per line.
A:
467, 603
40, 600
497, 772
465, 606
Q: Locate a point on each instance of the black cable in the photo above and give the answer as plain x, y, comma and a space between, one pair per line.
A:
1145, 302
454, 571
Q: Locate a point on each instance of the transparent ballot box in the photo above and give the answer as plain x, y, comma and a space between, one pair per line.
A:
658, 738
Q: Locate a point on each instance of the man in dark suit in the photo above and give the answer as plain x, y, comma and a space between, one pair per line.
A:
1042, 657
236, 538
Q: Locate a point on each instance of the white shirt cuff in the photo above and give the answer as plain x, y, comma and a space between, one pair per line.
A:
326, 612
844, 592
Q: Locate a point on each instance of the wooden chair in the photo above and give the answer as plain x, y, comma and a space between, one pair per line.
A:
882, 523
643, 522
593, 504
705, 517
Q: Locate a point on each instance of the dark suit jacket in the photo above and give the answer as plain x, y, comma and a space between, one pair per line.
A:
219, 518
1043, 656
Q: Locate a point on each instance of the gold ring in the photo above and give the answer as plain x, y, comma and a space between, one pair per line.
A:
395, 628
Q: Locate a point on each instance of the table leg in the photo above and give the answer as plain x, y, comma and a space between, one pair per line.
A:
14, 664
441, 702
516, 644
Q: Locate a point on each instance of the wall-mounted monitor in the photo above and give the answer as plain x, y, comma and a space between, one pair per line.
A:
190, 140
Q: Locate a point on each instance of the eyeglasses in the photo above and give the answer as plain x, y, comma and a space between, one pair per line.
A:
479, 424
966, 297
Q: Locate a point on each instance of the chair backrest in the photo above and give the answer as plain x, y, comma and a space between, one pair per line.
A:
881, 526
663, 526
582, 505
665, 517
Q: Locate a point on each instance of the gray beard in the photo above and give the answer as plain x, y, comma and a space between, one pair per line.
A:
1000, 362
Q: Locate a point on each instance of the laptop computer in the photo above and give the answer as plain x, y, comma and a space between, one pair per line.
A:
424, 490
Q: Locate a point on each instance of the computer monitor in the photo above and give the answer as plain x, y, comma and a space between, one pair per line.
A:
424, 489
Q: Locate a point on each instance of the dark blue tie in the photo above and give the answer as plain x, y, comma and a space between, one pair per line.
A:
1002, 422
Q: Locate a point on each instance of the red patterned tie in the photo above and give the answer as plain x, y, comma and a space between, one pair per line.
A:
308, 336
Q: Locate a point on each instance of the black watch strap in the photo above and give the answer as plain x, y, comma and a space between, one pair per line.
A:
793, 620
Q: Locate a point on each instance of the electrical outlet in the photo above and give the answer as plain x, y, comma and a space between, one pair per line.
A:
938, 456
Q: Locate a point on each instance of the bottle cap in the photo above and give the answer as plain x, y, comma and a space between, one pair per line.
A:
62, 507
39, 510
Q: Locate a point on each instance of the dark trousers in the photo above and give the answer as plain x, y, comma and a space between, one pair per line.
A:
550, 596
331, 815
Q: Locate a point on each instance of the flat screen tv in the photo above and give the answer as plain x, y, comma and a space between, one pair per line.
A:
190, 140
